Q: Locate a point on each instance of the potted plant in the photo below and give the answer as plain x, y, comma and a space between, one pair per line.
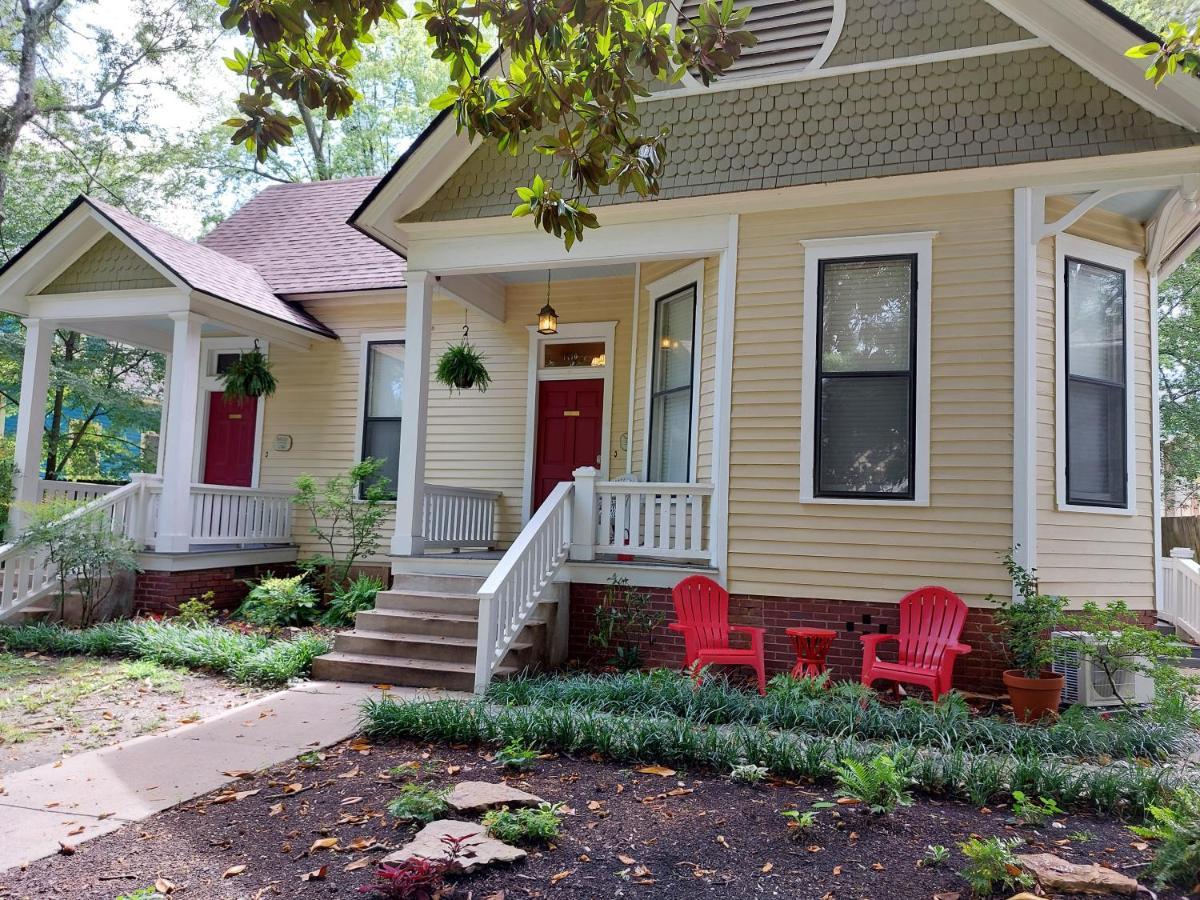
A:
1035, 690
461, 368
249, 376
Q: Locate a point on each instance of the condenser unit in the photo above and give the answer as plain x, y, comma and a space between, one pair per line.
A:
1087, 684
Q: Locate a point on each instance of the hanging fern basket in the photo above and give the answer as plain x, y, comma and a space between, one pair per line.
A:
249, 377
461, 368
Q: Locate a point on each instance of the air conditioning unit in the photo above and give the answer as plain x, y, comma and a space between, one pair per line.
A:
1087, 683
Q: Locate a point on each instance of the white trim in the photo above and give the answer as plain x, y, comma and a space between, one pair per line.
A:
919, 244
109, 304
1028, 213
200, 560
211, 384
691, 274
365, 339
836, 26
1155, 444
633, 353
575, 331
408, 538
1112, 257
718, 526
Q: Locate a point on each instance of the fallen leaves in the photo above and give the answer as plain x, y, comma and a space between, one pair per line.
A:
724, 843
164, 886
65, 849
234, 796
767, 867
234, 871
276, 809
626, 859
315, 874
324, 844
559, 876
358, 864
661, 771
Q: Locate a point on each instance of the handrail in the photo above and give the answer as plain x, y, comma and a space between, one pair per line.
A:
236, 515
455, 517
511, 594
243, 491
657, 520
1180, 601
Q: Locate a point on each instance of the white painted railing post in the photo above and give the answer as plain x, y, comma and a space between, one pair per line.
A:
1183, 553
486, 638
139, 528
583, 519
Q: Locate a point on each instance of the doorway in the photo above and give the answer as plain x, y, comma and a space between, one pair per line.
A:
570, 428
229, 440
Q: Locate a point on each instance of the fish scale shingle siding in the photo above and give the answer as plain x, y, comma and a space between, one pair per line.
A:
1002, 109
108, 265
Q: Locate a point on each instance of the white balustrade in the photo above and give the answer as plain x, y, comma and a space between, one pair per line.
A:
653, 520
511, 594
74, 490
1180, 601
235, 515
459, 517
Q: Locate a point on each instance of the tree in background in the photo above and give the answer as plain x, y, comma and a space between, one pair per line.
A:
1179, 377
1157, 14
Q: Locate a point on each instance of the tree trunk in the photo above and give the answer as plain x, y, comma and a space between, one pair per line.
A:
316, 140
70, 344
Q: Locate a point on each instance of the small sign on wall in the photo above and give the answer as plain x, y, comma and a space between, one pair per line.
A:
282, 443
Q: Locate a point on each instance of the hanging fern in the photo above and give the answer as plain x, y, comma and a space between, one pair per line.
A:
461, 368
250, 376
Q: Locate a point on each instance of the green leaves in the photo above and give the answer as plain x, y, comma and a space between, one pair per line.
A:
1177, 50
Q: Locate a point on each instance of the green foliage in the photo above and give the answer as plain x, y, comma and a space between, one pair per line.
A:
516, 756
1027, 624
1157, 13
196, 611
249, 376
879, 783
1082, 836
935, 856
1034, 812
279, 602
8, 474
347, 513
1176, 50
461, 367
624, 623
1177, 827
82, 548
350, 599
143, 893
799, 822
992, 865
253, 659
525, 826
573, 76
417, 803
747, 773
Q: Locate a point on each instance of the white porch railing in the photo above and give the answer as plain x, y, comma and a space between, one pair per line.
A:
74, 490
649, 520
459, 517
511, 594
1180, 601
236, 515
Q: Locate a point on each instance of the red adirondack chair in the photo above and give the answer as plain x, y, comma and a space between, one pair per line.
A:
931, 620
702, 607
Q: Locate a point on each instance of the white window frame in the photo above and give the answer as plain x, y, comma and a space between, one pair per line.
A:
1068, 245
920, 245
366, 339
691, 274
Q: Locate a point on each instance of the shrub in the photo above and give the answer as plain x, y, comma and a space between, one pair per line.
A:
745, 773
878, 783
196, 611
1177, 860
1034, 812
624, 622
277, 602
935, 856
516, 756
418, 878
991, 865
350, 599
1028, 624
347, 514
525, 826
799, 822
417, 803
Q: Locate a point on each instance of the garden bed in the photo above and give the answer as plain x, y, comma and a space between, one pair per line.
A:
631, 834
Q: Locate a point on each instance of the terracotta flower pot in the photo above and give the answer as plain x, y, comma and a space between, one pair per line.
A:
1033, 698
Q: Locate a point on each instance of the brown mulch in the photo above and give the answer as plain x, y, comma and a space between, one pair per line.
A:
632, 834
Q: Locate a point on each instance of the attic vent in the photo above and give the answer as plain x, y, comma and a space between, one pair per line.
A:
791, 33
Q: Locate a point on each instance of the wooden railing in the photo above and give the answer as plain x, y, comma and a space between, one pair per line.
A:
648, 520
74, 490
1180, 601
511, 594
459, 517
235, 515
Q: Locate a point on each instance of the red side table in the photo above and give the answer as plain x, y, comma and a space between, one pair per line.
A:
812, 646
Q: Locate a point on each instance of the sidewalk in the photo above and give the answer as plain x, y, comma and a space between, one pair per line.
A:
85, 796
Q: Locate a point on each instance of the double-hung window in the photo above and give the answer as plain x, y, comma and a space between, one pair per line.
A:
383, 409
672, 393
1094, 372
866, 370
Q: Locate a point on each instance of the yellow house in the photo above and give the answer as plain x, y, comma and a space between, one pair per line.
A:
892, 315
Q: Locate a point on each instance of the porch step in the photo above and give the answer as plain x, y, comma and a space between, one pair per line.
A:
398, 671
427, 647
424, 582
427, 601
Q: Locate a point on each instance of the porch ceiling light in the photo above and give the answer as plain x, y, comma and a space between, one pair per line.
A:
547, 317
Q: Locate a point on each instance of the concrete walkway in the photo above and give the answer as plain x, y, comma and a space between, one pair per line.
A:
94, 793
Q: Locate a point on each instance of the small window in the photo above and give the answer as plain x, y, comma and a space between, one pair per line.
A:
573, 355
866, 378
1096, 433
671, 387
384, 410
226, 361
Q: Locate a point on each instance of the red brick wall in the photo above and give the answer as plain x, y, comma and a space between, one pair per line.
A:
980, 670
162, 592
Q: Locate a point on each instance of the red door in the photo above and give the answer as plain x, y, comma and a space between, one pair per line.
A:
570, 418
229, 447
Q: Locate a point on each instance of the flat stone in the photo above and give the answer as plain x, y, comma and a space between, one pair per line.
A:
1059, 876
472, 796
477, 850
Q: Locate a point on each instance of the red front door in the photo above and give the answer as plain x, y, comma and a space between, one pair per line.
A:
229, 447
570, 418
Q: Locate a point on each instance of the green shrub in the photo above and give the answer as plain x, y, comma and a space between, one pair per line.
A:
799, 822
417, 803
1034, 812
350, 599
991, 865
878, 783
1177, 827
624, 623
278, 602
525, 826
196, 611
346, 514
1028, 624
746, 773
514, 755
935, 856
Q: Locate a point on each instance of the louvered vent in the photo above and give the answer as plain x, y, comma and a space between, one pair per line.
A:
790, 33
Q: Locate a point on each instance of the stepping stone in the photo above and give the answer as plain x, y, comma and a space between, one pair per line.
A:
476, 852
474, 796
1057, 875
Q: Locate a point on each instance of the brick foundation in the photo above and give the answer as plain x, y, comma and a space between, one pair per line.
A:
162, 592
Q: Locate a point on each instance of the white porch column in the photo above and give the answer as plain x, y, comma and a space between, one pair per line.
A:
175, 508
408, 538
31, 416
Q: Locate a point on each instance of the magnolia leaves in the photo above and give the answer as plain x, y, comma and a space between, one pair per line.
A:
1178, 50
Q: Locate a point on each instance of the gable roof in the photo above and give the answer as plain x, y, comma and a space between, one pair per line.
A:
297, 237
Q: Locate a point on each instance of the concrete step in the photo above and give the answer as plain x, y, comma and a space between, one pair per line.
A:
437, 583
1164, 627
427, 601
401, 672
414, 622
430, 647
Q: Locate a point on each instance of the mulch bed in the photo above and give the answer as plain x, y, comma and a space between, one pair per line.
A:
689, 834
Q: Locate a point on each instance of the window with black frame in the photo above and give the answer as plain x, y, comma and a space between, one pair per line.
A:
1096, 436
866, 378
671, 385
383, 410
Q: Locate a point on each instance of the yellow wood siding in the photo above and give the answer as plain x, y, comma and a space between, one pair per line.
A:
782, 547
1096, 556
